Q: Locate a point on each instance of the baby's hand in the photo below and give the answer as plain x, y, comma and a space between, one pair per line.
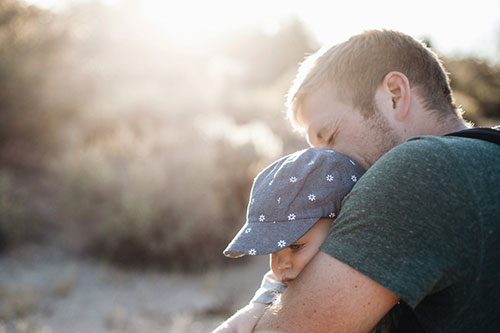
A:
244, 320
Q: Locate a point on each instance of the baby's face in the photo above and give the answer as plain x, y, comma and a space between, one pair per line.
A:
289, 262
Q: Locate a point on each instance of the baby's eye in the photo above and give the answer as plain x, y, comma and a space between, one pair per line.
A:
296, 246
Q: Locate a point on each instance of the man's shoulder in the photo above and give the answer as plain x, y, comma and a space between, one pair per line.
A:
431, 144
423, 161
442, 150
447, 142
418, 153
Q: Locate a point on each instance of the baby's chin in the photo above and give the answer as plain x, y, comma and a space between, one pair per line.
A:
287, 278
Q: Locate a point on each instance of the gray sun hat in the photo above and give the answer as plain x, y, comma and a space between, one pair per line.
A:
290, 196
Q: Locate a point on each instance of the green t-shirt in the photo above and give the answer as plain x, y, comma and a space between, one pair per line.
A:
424, 221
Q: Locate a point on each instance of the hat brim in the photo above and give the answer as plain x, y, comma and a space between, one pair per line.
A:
264, 238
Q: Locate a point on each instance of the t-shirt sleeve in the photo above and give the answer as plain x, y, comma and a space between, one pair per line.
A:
406, 220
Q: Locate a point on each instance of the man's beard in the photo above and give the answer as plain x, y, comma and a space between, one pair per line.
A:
384, 136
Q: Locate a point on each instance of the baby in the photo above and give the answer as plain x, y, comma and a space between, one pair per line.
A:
292, 205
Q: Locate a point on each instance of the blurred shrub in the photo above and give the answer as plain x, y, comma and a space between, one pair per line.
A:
153, 145
476, 84
166, 199
12, 228
23, 210
157, 167
30, 39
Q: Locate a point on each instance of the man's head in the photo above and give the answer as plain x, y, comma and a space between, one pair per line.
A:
290, 196
392, 82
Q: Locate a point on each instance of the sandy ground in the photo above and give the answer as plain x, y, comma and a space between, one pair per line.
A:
45, 290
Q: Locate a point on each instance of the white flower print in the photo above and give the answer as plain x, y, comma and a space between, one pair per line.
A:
281, 243
262, 218
279, 200
311, 163
275, 294
329, 178
252, 252
293, 179
247, 230
332, 215
270, 183
311, 197
354, 179
291, 217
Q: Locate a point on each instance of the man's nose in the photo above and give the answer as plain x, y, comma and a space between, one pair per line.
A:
314, 141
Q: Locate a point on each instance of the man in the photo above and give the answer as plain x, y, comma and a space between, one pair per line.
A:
422, 226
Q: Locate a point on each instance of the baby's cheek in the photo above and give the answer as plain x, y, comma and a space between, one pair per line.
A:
306, 259
299, 266
272, 264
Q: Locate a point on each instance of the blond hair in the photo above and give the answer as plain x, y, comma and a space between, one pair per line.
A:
357, 66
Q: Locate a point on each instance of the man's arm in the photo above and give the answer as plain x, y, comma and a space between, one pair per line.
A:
329, 296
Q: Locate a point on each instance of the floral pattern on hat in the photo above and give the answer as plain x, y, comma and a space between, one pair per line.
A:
300, 195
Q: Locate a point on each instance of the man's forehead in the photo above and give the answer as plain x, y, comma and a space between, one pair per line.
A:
307, 125
312, 116
307, 114
300, 118
316, 101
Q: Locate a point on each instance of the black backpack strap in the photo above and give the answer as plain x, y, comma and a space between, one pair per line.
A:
483, 133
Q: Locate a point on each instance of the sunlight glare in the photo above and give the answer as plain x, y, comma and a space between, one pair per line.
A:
192, 20
453, 27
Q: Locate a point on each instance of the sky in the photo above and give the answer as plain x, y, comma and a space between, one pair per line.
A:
453, 27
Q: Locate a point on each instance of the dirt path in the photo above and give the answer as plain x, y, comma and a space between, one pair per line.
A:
44, 290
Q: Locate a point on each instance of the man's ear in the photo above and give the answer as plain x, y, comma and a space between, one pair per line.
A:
396, 90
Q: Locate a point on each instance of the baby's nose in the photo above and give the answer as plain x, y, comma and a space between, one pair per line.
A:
284, 261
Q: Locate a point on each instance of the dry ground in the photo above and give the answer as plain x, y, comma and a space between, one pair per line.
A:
45, 290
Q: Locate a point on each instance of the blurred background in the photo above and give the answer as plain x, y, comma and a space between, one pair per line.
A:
130, 132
